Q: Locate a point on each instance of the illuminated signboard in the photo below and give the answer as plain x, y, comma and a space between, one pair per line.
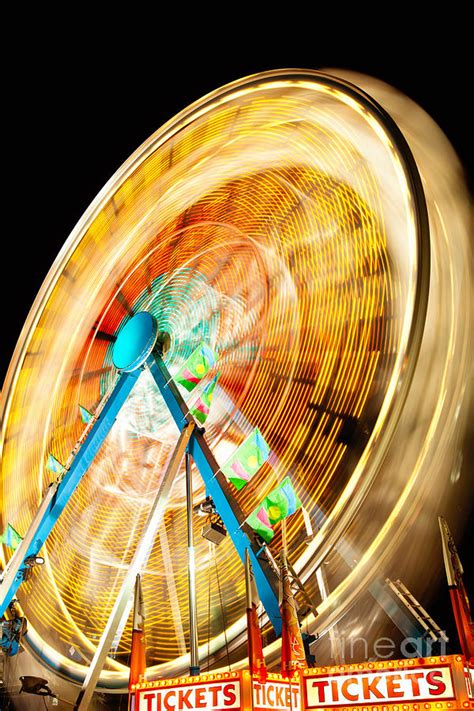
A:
380, 687
215, 694
395, 684
438, 683
276, 694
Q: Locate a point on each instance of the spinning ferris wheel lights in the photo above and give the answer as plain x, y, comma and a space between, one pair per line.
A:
283, 221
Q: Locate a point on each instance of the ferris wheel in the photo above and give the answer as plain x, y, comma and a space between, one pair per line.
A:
298, 224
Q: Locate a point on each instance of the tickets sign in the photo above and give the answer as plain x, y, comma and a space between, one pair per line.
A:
382, 686
444, 683
218, 695
276, 695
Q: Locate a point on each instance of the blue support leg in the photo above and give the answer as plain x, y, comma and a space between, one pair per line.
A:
45, 523
243, 537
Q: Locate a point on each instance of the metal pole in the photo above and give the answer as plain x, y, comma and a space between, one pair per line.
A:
194, 668
155, 517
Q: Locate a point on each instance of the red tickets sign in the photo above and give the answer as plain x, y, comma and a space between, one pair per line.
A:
380, 687
444, 683
276, 695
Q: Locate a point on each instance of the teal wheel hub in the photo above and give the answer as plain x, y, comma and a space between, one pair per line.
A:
135, 342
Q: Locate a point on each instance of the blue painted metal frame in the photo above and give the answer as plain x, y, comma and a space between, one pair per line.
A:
243, 537
74, 474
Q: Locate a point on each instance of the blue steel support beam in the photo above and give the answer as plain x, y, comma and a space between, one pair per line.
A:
71, 479
217, 486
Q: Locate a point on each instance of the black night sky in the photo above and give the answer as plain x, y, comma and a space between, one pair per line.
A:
75, 114
76, 109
